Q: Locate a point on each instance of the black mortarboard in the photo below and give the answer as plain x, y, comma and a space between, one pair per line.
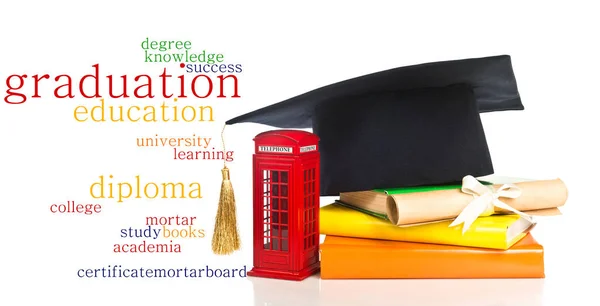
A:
408, 126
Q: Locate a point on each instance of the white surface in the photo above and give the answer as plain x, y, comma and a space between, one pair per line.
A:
46, 157
315, 291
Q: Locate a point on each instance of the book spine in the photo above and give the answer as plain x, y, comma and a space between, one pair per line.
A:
353, 262
337, 221
492, 240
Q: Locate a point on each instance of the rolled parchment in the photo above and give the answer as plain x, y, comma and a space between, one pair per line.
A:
432, 206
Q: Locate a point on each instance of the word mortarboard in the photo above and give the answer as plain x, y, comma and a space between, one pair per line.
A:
409, 126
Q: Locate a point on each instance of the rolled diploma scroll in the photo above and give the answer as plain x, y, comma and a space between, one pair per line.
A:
431, 206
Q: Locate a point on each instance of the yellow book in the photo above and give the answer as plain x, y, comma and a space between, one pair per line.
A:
494, 232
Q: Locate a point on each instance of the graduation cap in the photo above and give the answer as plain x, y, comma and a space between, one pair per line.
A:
408, 126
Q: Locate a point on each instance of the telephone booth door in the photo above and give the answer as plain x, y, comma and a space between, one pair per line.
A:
276, 198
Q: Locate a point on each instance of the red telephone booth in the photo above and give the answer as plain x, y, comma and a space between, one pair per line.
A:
286, 205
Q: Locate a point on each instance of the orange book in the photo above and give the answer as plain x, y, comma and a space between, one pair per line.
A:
357, 258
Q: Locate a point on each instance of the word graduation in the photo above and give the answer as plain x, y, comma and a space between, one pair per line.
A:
96, 85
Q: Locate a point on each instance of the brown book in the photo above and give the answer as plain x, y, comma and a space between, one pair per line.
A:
356, 258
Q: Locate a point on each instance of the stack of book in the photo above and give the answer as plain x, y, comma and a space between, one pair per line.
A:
407, 233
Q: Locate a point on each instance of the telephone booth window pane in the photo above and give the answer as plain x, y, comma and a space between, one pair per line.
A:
284, 245
284, 238
275, 211
284, 217
284, 205
284, 177
284, 190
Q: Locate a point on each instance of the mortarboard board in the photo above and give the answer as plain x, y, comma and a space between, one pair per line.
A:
408, 126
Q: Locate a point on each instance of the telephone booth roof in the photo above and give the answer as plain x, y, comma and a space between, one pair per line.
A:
298, 137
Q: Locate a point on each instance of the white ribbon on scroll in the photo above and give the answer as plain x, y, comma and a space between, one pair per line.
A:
485, 200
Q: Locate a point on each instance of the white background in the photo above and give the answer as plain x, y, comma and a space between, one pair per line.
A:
47, 157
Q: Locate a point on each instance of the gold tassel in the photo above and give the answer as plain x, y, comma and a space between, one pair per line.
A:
226, 238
